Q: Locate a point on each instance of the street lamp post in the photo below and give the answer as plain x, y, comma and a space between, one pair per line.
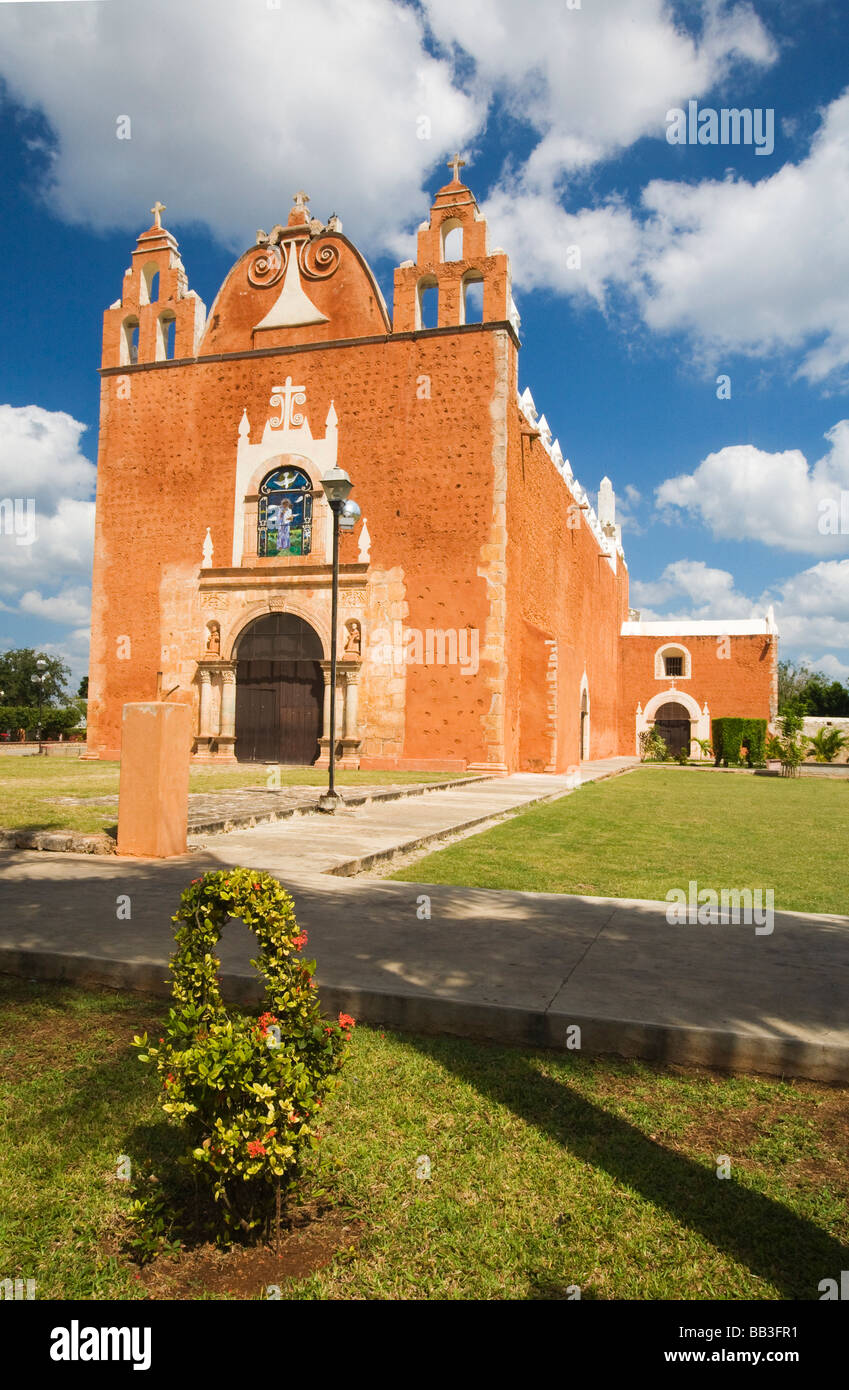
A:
41, 667
337, 489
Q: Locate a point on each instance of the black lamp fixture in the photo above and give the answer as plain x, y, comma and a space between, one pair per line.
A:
337, 489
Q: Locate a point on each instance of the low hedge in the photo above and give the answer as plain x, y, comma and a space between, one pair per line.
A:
730, 734
53, 721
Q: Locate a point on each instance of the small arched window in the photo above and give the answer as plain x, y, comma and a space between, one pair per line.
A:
427, 303
284, 515
166, 331
672, 662
472, 309
129, 341
452, 241
149, 284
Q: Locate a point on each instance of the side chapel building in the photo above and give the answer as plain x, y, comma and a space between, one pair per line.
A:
483, 604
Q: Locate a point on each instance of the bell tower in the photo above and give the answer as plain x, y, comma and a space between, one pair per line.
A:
157, 317
454, 209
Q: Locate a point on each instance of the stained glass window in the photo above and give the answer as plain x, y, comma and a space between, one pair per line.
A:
284, 520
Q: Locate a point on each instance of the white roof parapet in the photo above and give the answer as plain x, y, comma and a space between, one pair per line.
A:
526, 404
513, 315
545, 431
700, 627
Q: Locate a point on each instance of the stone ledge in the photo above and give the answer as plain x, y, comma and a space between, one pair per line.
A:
60, 841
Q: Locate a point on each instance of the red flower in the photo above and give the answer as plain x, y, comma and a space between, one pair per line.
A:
300, 940
294, 1119
255, 1149
271, 1133
345, 1021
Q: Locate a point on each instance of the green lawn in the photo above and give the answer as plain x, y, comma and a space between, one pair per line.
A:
638, 835
547, 1170
31, 788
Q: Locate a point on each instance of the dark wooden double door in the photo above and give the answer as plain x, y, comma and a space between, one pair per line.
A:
279, 691
673, 724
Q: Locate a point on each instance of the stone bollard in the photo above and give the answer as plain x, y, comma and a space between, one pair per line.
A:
153, 793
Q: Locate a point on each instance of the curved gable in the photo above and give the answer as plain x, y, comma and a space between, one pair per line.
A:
295, 286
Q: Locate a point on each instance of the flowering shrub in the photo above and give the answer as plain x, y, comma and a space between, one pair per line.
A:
246, 1092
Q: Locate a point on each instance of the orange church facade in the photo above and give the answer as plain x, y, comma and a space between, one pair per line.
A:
483, 604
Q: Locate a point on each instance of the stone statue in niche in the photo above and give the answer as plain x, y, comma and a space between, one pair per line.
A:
213, 641
354, 640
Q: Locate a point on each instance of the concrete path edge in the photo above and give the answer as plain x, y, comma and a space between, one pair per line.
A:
501, 1025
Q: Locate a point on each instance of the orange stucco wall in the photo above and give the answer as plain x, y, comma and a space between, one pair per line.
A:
474, 534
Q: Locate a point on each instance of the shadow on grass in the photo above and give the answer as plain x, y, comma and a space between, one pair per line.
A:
61, 827
775, 1243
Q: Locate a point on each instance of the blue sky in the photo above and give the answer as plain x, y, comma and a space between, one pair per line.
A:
696, 260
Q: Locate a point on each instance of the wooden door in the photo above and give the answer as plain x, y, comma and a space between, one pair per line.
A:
279, 691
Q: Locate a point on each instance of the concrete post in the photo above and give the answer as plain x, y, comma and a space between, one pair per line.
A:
153, 793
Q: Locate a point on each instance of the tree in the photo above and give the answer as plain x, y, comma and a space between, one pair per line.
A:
827, 698
17, 667
810, 692
791, 684
82, 693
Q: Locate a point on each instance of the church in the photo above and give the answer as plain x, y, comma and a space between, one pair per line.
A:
483, 612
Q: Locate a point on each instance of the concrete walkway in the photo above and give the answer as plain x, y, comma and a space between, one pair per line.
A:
503, 966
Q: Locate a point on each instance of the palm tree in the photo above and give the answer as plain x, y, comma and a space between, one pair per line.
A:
826, 743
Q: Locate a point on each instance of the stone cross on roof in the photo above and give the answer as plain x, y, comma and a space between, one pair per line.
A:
456, 164
157, 210
301, 199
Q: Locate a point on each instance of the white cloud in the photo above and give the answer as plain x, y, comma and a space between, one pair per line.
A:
738, 267
755, 268
71, 606
594, 79
233, 106
829, 665
40, 456
47, 581
695, 590
744, 493
811, 607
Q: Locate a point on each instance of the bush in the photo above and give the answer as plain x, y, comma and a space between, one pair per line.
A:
245, 1092
827, 743
736, 740
789, 746
652, 746
53, 721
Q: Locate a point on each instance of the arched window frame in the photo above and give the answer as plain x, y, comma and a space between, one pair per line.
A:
472, 277
672, 649
301, 493
449, 226
129, 353
163, 328
149, 283
427, 282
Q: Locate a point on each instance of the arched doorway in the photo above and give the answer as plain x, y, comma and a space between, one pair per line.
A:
672, 722
585, 724
279, 691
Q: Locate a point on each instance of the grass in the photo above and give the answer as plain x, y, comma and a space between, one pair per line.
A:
638, 835
31, 788
547, 1169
